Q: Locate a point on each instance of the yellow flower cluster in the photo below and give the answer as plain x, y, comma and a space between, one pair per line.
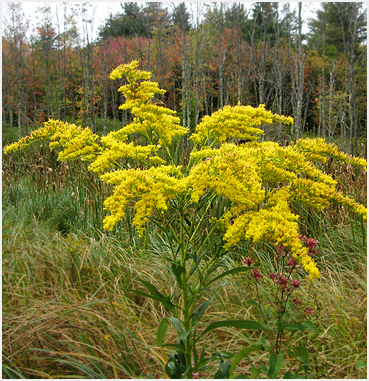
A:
282, 164
319, 150
78, 143
43, 133
308, 192
139, 94
236, 122
149, 117
274, 222
130, 71
113, 150
158, 120
152, 188
257, 214
340, 199
229, 174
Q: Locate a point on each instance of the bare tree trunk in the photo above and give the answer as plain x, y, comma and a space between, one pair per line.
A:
324, 134
300, 66
278, 66
184, 77
330, 117
197, 66
105, 85
239, 56
350, 12
221, 57
297, 77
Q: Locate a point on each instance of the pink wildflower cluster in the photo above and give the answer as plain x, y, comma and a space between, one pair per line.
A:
311, 243
286, 282
255, 272
288, 266
248, 261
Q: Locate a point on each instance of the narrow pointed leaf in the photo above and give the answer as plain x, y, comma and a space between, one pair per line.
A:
303, 354
183, 335
180, 347
165, 302
242, 353
240, 324
292, 327
223, 372
230, 272
176, 324
162, 330
310, 326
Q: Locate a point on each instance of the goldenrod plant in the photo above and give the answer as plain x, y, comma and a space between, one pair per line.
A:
202, 205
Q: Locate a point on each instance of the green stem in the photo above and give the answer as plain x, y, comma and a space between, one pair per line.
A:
169, 155
198, 225
186, 304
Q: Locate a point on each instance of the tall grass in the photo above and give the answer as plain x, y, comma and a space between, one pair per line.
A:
65, 309
68, 311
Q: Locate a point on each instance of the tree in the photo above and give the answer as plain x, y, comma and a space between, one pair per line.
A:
297, 67
261, 41
181, 18
128, 23
338, 32
351, 19
46, 40
16, 26
235, 19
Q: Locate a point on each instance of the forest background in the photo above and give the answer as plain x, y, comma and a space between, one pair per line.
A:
206, 56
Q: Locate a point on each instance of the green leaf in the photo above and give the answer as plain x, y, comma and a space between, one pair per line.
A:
223, 371
179, 347
162, 330
252, 303
242, 353
152, 290
303, 354
165, 302
264, 368
265, 312
183, 335
242, 324
275, 365
360, 364
310, 326
230, 272
200, 310
290, 375
292, 327
177, 270
173, 369
202, 356
176, 324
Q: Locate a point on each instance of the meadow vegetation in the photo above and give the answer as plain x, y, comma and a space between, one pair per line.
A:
69, 309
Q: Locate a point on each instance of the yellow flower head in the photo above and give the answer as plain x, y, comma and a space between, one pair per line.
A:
236, 122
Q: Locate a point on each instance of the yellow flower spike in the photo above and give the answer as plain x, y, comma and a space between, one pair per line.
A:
319, 150
149, 117
152, 188
77, 142
236, 122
